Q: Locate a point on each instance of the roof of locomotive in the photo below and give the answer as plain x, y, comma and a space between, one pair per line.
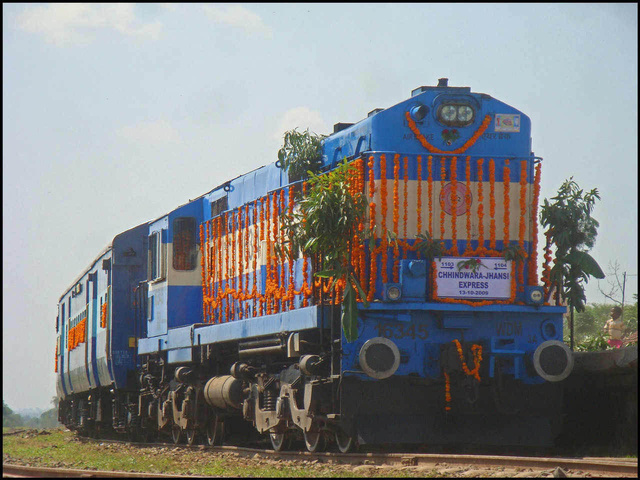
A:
386, 129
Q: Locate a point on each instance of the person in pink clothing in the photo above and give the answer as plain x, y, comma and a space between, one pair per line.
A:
615, 327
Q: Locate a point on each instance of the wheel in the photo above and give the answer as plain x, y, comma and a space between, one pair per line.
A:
345, 442
280, 441
315, 441
215, 431
176, 434
191, 435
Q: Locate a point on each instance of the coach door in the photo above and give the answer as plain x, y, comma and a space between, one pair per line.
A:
157, 280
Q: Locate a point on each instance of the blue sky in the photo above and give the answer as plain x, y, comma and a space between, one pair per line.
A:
114, 114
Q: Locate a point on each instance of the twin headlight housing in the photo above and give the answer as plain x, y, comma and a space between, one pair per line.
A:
456, 114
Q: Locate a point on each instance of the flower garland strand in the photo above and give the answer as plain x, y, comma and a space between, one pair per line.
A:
202, 267
419, 193
480, 207
405, 206
533, 259
396, 208
476, 351
467, 199
523, 216
442, 180
478, 133
254, 287
430, 193
447, 392
454, 207
372, 223
383, 231
506, 180
492, 204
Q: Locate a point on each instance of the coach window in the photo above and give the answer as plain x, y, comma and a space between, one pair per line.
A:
185, 251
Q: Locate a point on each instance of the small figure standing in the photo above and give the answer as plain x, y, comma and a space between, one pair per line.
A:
615, 328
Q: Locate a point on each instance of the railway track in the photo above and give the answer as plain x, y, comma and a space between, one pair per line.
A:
613, 467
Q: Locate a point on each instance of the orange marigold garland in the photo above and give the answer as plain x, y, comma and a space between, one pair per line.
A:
478, 133
467, 199
254, 287
442, 180
202, 267
430, 192
533, 259
405, 206
220, 221
454, 207
239, 244
372, 224
447, 392
523, 225
396, 208
480, 207
507, 202
492, 204
476, 351
246, 295
383, 231
290, 290
263, 205
282, 289
419, 194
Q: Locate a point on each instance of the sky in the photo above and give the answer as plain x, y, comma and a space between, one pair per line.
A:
115, 114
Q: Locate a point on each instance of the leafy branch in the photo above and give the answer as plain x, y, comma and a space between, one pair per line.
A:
301, 154
325, 226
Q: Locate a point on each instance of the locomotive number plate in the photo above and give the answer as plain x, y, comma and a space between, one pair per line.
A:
401, 330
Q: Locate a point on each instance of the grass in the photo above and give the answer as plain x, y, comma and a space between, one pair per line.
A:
59, 448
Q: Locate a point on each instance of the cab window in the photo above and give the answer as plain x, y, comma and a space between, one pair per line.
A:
185, 250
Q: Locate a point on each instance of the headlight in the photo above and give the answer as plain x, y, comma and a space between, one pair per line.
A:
534, 295
392, 292
448, 113
465, 113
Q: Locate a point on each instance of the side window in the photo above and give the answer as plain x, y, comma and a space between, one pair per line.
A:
156, 257
185, 250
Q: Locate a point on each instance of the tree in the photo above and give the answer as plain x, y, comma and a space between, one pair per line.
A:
327, 227
573, 231
10, 418
300, 154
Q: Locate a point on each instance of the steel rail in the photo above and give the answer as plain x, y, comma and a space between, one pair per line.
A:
21, 471
619, 466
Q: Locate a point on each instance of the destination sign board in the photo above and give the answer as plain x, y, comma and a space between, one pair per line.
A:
486, 278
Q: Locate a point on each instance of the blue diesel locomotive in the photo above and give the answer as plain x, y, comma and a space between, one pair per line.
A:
192, 326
